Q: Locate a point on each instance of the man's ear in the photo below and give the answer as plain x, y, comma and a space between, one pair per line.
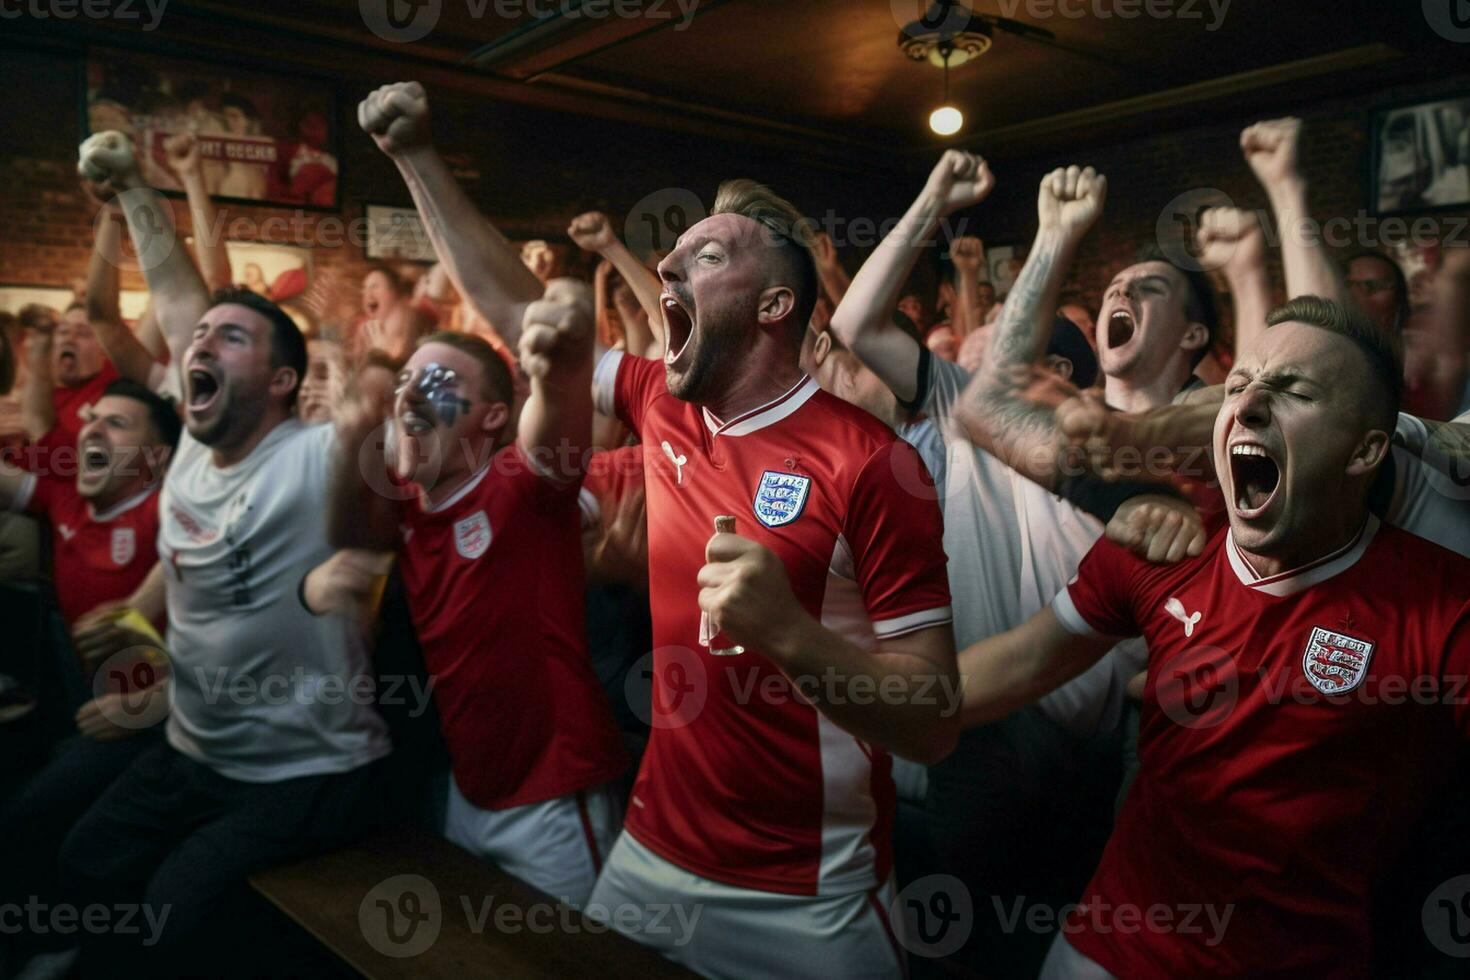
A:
821, 348
776, 304
284, 380
1369, 453
1196, 335
495, 418
1060, 366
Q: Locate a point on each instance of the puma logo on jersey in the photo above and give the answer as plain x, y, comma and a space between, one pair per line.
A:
678, 462
66, 533
1175, 608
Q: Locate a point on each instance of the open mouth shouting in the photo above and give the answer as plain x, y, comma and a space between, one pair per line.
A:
96, 457
1255, 475
417, 417
1121, 326
204, 389
678, 326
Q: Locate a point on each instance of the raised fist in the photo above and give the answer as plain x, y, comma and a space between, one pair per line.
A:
967, 253
106, 161
592, 232
557, 328
1270, 149
1070, 200
396, 116
1230, 239
182, 153
41, 319
959, 180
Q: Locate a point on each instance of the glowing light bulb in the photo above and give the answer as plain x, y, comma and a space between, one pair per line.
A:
946, 120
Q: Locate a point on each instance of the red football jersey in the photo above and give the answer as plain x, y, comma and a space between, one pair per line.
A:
96, 558
742, 781
69, 406
1292, 729
496, 590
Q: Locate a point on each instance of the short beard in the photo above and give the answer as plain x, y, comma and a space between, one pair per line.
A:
715, 351
235, 421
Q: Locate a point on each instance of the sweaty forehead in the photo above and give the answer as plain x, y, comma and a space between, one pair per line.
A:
241, 316
727, 229
1305, 350
1145, 270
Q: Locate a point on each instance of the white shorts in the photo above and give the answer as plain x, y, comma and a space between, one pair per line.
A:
720, 930
1063, 962
557, 845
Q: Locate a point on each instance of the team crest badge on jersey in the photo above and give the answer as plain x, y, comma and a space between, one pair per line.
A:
1335, 663
472, 535
780, 497
124, 545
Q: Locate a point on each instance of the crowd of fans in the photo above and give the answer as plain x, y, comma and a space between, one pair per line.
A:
1088, 603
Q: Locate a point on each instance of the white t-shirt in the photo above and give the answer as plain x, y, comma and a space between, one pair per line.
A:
1012, 546
1427, 502
262, 690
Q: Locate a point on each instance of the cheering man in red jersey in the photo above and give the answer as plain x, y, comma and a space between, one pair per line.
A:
1301, 693
765, 800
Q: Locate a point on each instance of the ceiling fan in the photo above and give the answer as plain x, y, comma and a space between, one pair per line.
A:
950, 33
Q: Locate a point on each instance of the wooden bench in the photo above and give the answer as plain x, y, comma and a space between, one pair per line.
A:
363, 905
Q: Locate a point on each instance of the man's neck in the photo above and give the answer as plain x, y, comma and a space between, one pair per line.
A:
1129, 394
1331, 539
476, 457
761, 381
105, 501
224, 456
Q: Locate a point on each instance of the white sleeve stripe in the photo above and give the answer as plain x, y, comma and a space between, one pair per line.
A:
913, 621
1066, 612
605, 382
24, 493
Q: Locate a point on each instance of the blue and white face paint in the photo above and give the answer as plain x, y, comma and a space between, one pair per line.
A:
433, 397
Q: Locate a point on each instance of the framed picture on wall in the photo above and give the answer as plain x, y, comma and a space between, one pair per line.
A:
14, 298
265, 139
1419, 157
396, 234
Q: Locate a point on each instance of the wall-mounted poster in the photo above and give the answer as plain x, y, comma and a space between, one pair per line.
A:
1421, 156
263, 138
14, 298
397, 233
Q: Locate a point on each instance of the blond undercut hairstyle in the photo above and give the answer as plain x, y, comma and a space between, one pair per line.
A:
789, 232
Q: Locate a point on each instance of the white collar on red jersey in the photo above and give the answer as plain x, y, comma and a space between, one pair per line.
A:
456, 496
770, 413
122, 506
1308, 575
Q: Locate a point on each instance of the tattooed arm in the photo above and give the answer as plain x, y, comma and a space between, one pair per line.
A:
1008, 407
